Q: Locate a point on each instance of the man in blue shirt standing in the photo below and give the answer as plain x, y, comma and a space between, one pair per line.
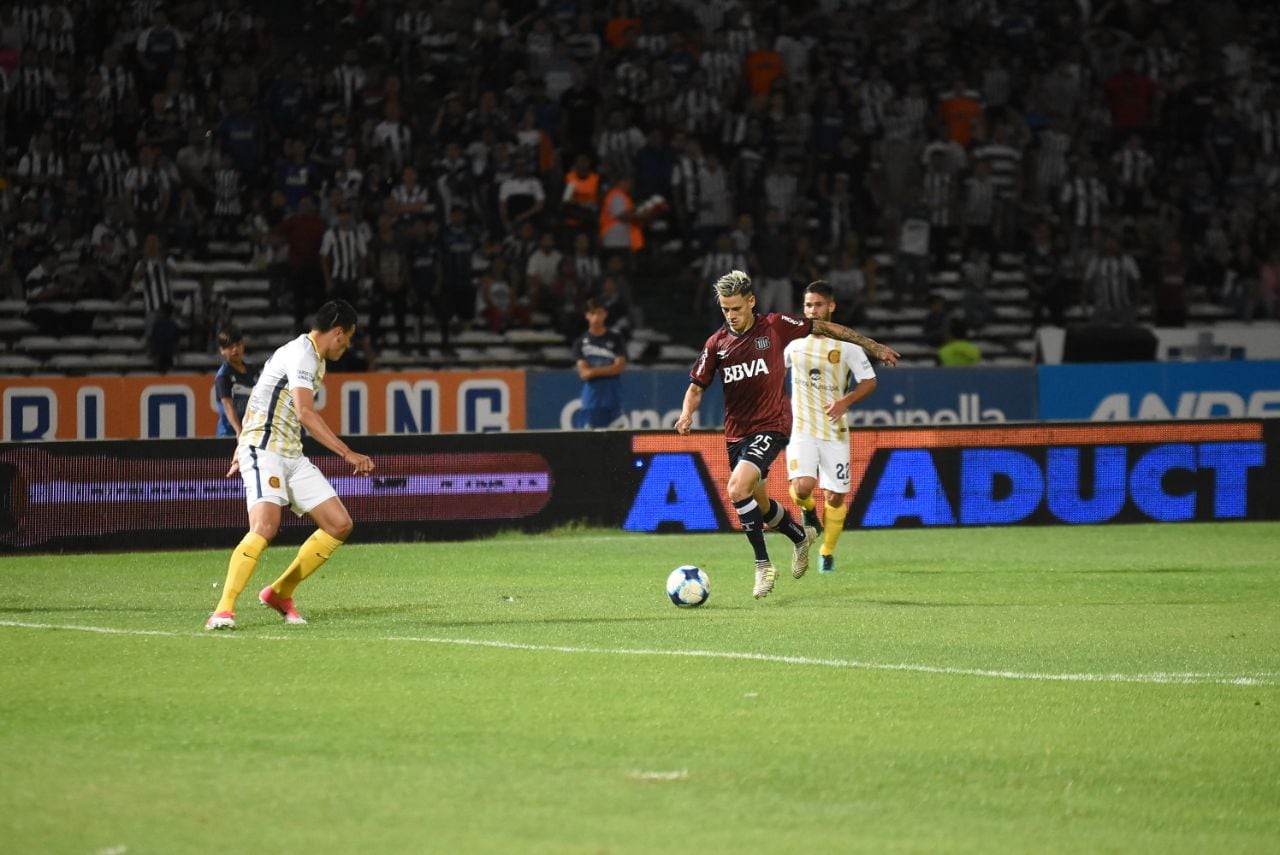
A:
233, 382
601, 356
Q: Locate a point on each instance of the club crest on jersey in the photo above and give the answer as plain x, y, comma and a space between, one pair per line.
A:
833, 356
743, 370
762, 343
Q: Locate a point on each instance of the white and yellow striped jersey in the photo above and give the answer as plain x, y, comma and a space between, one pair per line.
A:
270, 420
820, 372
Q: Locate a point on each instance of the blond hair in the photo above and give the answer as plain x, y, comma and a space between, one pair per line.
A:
733, 283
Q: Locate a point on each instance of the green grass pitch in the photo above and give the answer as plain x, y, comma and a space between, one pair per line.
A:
1101, 689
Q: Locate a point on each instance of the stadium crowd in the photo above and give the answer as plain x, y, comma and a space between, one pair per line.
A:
497, 164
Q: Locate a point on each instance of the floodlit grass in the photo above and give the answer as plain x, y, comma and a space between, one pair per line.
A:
997, 690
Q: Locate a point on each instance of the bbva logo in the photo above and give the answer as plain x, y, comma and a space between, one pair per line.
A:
743, 370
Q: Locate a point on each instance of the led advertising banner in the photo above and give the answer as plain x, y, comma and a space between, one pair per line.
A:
182, 406
651, 399
172, 493
161, 493
1153, 391
904, 396
1021, 474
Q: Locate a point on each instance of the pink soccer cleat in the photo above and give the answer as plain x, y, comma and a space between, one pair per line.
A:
221, 620
271, 599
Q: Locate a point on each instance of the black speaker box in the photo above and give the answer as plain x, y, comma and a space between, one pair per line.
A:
1109, 344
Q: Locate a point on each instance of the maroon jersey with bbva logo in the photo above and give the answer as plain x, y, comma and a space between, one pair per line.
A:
751, 367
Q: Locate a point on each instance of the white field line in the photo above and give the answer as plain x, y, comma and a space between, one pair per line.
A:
1192, 678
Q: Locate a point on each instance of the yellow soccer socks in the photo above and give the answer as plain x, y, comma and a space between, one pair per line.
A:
832, 524
243, 561
311, 555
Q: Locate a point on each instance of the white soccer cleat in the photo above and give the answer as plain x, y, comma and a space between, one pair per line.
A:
765, 576
800, 560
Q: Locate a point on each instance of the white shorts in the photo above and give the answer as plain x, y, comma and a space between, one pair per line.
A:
824, 459
292, 482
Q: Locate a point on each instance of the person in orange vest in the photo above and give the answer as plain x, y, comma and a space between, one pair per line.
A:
762, 66
960, 112
621, 227
581, 201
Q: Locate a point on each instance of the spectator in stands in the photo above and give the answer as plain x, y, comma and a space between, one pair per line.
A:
186, 227
158, 49
567, 297
544, 262
517, 248
621, 227
615, 302
911, 262
1042, 271
1133, 168
981, 197
1132, 96
87, 113
46, 290
151, 279
1169, 299
956, 349
459, 244
771, 255
303, 234
1086, 202
975, 278
715, 197
521, 197
344, 259
424, 256
497, 301
147, 190
586, 263
204, 312
391, 283
763, 66
40, 169
243, 135
163, 337
961, 113
296, 177
937, 317
580, 204
618, 144
393, 138
1111, 280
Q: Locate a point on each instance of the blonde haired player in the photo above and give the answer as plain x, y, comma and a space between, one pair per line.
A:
277, 474
820, 371
746, 354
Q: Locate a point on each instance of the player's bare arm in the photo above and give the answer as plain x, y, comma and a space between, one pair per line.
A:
837, 408
882, 352
304, 405
692, 400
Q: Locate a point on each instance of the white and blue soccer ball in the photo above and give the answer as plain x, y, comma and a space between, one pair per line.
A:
688, 587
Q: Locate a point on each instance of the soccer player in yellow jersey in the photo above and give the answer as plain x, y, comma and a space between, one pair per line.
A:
277, 474
821, 369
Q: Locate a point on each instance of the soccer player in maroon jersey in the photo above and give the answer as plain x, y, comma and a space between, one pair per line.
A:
747, 355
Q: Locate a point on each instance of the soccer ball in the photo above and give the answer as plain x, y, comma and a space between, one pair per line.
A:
688, 586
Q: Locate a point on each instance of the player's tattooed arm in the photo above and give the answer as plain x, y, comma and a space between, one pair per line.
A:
882, 352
